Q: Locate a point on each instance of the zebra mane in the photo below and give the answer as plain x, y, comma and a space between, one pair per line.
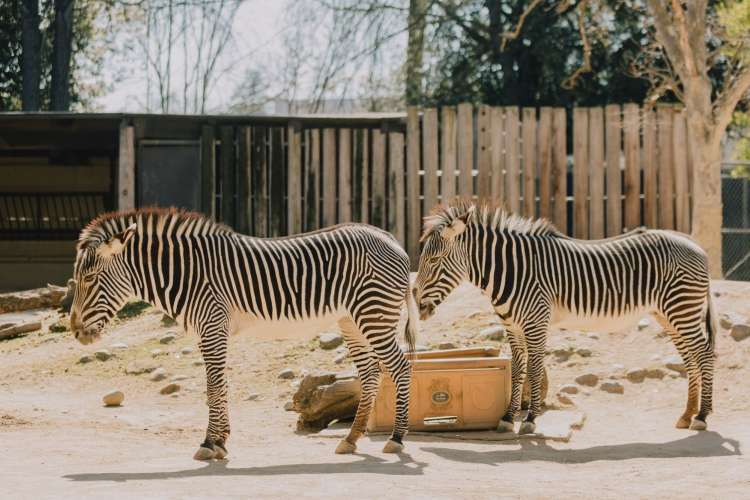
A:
487, 215
108, 225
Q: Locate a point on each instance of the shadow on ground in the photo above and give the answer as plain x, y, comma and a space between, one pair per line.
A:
698, 445
369, 464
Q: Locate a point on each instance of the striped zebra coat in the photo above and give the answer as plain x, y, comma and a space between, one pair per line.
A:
215, 282
537, 277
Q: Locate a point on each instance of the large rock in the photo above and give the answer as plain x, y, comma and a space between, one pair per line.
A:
612, 387
637, 375
102, 355
114, 398
740, 332
447, 345
324, 397
170, 389
38, 298
656, 373
588, 379
569, 389
330, 340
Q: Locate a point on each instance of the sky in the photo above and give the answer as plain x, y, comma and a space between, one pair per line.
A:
257, 31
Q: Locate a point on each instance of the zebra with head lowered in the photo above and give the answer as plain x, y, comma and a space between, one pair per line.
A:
215, 282
537, 277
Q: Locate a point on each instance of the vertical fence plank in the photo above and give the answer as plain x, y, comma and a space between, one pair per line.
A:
430, 158
596, 172
345, 175
512, 161
414, 215
294, 178
560, 169
666, 178
632, 130
228, 182
465, 149
208, 172
396, 212
277, 185
260, 176
580, 172
545, 161
378, 178
497, 156
365, 180
329, 176
312, 180
126, 168
614, 174
448, 156
650, 172
484, 153
529, 133
245, 181
680, 148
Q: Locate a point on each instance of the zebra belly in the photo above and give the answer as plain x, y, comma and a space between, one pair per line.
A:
307, 328
569, 320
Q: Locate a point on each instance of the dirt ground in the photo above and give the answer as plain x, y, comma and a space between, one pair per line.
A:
59, 441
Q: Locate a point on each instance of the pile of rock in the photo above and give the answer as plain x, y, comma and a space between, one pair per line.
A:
324, 397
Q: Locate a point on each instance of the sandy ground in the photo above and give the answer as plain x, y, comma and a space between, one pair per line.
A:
59, 441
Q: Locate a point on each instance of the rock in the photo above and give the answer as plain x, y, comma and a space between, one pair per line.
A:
644, 323
102, 355
158, 375
562, 354
177, 378
740, 332
340, 358
286, 374
584, 353
118, 345
198, 362
253, 396
186, 350
139, 369
493, 333
157, 352
565, 399
656, 373
447, 345
675, 363
38, 298
170, 389
114, 398
167, 339
612, 387
637, 375
569, 389
324, 397
86, 358
59, 326
331, 340
588, 379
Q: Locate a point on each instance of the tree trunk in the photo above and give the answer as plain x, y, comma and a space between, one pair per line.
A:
61, 55
707, 219
31, 57
414, 51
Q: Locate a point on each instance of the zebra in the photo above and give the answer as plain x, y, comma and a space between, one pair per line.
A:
537, 277
215, 282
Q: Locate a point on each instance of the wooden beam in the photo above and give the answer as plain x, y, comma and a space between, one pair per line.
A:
580, 172
448, 156
396, 209
414, 215
545, 162
529, 131
560, 169
596, 173
484, 153
512, 161
245, 181
126, 168
378, 178
632, 145
228, 178
345, 175
465, 150
329, 177
613, 126
429, 158
294, 179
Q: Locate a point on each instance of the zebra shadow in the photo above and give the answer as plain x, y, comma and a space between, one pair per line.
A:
700, 444
368, 464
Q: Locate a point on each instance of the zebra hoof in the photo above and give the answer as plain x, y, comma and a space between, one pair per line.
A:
505, 426
219, 452
683, 422
204, 453
345, 447
392, 446
527, 428
698, 425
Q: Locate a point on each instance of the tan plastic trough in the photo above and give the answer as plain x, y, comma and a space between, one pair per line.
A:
457, 389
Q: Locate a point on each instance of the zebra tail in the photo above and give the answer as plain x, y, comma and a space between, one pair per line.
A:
412, 323
711, 325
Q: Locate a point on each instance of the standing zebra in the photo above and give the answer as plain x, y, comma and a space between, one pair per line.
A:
215, 282
536, 277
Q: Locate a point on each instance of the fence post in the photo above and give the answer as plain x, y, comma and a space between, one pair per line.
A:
345, 175
596, 172
260, 160
560, 169
484, 153
650, 162
312, 181
580, 172
245, 181
329, 176
545, 161
208, 171
512, 163
497, 156
126, 168
228, 183
666, 162
430, 158
614, 173
465, 149
378, 178
396, 215
448, 178
632, 166
412, 183
294, 176
529, 133
680, 148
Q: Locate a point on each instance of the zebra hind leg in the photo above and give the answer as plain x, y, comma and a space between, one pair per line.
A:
682, 344
705, 361
518, 374
214, 349
535, 375
399, 368
369, 374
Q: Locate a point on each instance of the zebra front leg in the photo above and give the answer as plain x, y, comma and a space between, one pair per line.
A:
693, 374
518, 374
535, 337
705, 361
399, 368
369, 375
213, 346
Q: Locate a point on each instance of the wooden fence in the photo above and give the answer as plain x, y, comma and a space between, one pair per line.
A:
594, 171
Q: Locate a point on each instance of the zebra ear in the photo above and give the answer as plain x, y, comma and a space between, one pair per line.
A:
116, 243
457, 226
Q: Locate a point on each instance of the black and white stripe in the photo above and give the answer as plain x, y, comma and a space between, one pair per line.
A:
215, 282
537, 277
